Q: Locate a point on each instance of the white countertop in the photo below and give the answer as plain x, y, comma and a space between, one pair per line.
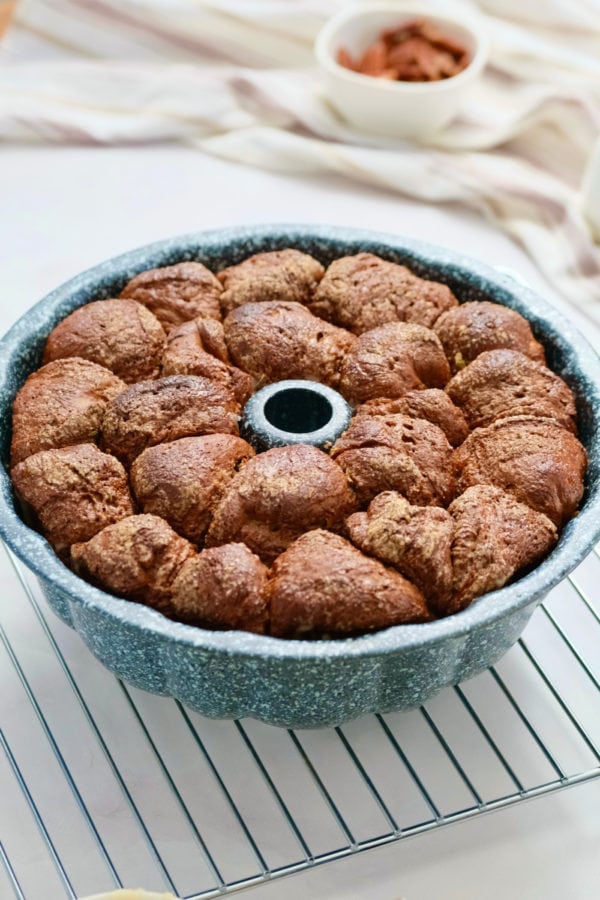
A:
64, 210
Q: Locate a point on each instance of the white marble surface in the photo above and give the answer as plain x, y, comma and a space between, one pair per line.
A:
66, 209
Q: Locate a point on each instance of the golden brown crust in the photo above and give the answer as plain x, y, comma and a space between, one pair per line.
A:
536, 460
503, 383
74, 491
472, 328
137, 558
495, 537
356, 594
395, 453
183, 480
279, 494
275, 341
364, 291
416, 540
198, 348
390, 360
477, 545
121, 335
61, 404
176, 294
433, 405
277, 275
222, 588
154, 412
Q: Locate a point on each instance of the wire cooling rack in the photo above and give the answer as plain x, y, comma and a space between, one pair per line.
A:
104, 786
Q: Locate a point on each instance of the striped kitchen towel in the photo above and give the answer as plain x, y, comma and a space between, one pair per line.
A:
236, 78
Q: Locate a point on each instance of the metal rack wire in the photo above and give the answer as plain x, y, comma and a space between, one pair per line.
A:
104, 785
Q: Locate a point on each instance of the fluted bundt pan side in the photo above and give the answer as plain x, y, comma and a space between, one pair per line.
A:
301, 683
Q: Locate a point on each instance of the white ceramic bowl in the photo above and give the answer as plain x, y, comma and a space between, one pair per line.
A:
397, 108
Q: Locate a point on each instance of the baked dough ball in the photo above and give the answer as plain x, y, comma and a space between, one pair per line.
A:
364, 291
278, 275
166, 409
322, 586
536, 460
198, 348
416, 540
278, 495
495, 537
176, 294
503, 383
482, 540
390, 360
183, 480
74, 492
138, 558
121, 335
472, 328
222, 588
432, 404
61, 404
275, 341
395, 453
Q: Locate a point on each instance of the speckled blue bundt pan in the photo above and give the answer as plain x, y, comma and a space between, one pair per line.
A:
301, 683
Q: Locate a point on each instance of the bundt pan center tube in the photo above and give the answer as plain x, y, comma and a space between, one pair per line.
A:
301, 683
294, 411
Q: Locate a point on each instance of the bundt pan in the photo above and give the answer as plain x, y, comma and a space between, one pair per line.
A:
283, 682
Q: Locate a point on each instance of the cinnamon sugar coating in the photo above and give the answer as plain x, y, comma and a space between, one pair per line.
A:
121, 335
61, 404
416, 540
503, 383
137, 558
287, 275
390, 360
279, 494
183, 480
536, 460
279, 340
364, 291
74, 491
358, 594
479, 543
395, 453
176, 294
495, 537
477, 326
198, 348
154, 412
222, 588
432, 404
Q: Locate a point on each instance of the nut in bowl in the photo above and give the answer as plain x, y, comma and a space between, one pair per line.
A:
400, 70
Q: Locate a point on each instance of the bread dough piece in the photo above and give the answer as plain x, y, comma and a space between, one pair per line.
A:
322, 586
61, 404
121, 335
74, 491
276, 341
390, 360
223, 588
364, 291
278, 495
536, 460
472, 328
276, 275
176, 294
138, 558
503, 383
154, 412
395, 453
